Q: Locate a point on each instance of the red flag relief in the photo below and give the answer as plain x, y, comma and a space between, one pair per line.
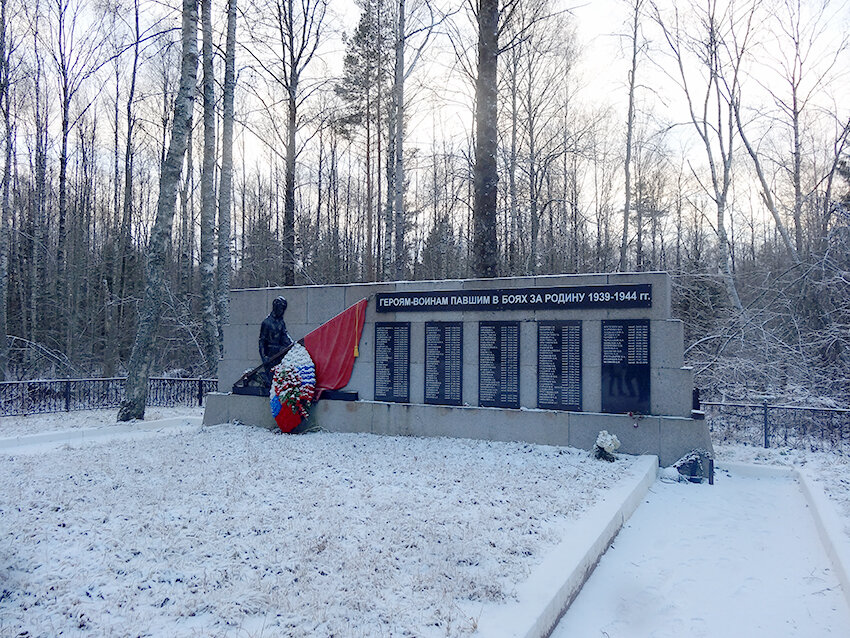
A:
333, 346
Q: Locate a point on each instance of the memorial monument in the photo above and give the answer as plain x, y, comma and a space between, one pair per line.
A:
551, 360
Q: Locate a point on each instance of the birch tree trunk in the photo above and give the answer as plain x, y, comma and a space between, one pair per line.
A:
115, 313
767, 191
398, 169
512, 245
209, 321
630, 124
226, 177
77, 52
369, 261
60, 287
712, 115
141, 359
5, 211
299, 29
388, 253
38, 275
289, 185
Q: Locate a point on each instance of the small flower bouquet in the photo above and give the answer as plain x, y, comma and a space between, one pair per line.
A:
606, 445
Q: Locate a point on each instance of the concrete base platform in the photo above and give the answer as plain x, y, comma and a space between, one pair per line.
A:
668, 438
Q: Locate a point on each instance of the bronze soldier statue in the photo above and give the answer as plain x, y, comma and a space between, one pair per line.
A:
273, 335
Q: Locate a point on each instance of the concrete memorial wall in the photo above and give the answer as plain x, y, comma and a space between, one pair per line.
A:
551, 360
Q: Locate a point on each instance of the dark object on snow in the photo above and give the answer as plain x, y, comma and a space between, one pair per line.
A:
603, 455
696, 466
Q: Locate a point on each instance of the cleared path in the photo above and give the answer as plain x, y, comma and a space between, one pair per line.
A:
740, 558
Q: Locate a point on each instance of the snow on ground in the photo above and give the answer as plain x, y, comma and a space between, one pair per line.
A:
238, 531
831, 470
12, 426
741, 558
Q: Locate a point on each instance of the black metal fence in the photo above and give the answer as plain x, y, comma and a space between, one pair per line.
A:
760, 424
757, 424
66, 395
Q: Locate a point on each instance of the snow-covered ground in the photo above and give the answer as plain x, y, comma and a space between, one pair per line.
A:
237, 531
12, 426
740, 558
831, 470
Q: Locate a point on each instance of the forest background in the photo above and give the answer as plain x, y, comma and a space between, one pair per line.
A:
708, 140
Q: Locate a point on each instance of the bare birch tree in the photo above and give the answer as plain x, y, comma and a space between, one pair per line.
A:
710, 100
209, 323
636, 7
414, 25
795, 77
38, 263
545, 69
808, 58
5, 207
225, 189
135, 394
77, 54
286, 34
123, 224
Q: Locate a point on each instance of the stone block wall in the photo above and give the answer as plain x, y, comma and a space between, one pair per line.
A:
309, 306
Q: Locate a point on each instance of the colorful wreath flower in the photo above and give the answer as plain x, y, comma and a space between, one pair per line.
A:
293, 388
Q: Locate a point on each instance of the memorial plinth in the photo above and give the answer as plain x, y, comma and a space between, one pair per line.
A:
551, 359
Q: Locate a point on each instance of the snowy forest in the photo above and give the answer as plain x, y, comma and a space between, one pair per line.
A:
180, 149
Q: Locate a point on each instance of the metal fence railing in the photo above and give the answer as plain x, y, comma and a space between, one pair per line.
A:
756, 424
67, 395
760, 424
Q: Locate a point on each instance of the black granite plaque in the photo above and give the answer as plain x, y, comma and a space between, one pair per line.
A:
559, 365
498, 364
544, 298
625, 366
444, 362
392, 361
